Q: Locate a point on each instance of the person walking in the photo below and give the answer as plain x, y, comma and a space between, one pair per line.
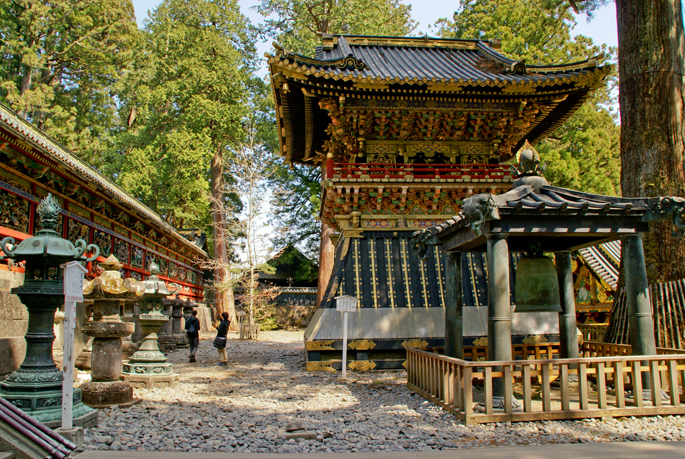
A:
193, 332
220, 340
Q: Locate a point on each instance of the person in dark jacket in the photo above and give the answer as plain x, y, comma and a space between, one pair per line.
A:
220, 340
193, 332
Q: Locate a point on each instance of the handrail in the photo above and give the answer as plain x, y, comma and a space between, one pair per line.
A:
406, 171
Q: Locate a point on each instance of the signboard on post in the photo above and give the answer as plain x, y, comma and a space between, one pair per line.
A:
73, 293
345, 304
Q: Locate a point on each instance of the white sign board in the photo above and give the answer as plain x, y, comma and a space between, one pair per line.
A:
73, 281
345, 304
73, 293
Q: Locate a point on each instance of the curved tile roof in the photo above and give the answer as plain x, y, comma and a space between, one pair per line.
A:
428, 60
604, 259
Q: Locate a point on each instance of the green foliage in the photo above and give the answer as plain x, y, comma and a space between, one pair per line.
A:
184, 103
298, 24
303, 270
295, 203
584, 152
61, 63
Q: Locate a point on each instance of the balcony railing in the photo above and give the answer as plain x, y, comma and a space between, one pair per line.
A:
465, 172
606, 387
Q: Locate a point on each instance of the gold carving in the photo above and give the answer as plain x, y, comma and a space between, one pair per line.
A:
415, 343
111, 283
320, 366
437, 87
361, 365
319, 345
535, 339
362, 344
379, 86
482, 341
404, 364
518, 90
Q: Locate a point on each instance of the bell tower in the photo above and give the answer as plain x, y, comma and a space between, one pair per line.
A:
405, 129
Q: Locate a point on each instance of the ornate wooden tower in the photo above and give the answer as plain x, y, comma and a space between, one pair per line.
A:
404, 129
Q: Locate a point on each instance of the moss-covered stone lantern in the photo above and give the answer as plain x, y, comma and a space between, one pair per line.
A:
36, 387
148, 366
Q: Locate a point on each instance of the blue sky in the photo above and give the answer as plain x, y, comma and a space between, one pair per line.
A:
602, 29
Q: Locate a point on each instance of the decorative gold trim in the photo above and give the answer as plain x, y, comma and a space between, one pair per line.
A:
320, 366
405, 364
319, 345
372, 254
438, 266
357, 276
519, 90
415, 343
415, 42
361, 344
482, 341
378, 86
361, 365
391, 278
439, 87
405, 263
535, 339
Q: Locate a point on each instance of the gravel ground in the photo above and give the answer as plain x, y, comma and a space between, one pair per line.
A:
246, 406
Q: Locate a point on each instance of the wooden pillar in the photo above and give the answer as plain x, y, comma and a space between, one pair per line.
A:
326, 260
499, 306
568, 348
454, 332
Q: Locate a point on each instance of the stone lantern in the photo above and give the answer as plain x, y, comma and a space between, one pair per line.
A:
148, 367
176, 315
109, 295
36, 387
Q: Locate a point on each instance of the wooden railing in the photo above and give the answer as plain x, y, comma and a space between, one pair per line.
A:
471, 172
457, 385
595, 349
593, 332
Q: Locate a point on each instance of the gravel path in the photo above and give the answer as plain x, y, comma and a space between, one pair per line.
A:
246, 406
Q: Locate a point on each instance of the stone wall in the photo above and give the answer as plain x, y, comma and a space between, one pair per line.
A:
13, 324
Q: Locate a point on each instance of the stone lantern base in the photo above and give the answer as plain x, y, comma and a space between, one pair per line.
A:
181, 340
149, 374
46, 406
107, 393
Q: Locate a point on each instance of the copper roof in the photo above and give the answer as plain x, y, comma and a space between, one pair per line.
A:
412, 60
420, 74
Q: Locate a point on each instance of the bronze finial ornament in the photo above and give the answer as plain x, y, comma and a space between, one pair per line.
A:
528, 162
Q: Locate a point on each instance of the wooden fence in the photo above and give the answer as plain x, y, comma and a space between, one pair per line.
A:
593, 332
457, 385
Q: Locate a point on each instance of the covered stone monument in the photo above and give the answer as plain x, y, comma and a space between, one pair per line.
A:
109, 294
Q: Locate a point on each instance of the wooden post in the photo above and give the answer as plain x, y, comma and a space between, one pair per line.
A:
454, 332
326, 260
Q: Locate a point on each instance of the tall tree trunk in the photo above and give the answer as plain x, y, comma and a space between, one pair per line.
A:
224, 294
326, 260
651, 49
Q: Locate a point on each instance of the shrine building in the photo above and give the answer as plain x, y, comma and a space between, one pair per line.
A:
93, 209
403, 130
